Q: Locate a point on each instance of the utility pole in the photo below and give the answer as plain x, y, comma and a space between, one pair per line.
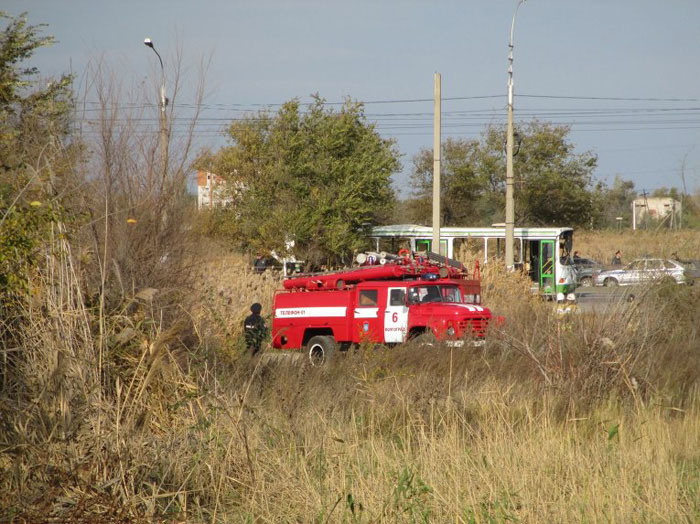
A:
510, 206
436, 164
646, 206
685, 190
163, 118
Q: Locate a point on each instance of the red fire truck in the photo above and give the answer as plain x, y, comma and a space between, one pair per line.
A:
403, 298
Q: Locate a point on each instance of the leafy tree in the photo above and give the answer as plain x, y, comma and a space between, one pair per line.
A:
34, 153
613, 202
319, 177
553, 184
468, 180
555, 181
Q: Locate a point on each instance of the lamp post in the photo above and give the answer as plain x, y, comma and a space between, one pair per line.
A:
437, 115
163, 116
510, 207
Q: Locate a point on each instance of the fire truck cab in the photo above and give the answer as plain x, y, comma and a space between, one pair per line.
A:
404, 298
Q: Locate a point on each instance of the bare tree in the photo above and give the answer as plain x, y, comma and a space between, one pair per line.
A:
138, 204
685, 188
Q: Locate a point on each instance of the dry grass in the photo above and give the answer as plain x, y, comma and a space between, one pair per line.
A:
492, 452
601, 245
557, 419
227, 287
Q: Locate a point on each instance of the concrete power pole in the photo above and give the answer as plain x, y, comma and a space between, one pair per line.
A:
510, 206
163, 130
163, 118
436, 165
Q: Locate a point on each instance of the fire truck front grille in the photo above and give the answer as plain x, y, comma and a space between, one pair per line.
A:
475, 327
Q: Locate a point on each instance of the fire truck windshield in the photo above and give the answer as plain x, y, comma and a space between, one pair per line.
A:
437, 293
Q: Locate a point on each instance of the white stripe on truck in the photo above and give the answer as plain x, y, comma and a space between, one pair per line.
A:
471, 308
366, 312
304, 312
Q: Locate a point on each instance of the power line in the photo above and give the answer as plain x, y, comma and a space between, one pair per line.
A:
457, 122
419, 100
612, 98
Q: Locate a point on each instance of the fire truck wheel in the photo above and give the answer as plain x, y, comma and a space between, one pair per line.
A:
320, 349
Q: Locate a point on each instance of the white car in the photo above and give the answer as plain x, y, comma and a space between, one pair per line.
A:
641, 271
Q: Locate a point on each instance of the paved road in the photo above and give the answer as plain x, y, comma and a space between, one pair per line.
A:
604, 299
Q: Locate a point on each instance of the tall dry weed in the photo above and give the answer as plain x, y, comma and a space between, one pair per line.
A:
229, 285
557, 418
380, 436
79, 398
602, 245
105, 367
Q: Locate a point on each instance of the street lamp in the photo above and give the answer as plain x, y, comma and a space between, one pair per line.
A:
510, 211
163, 117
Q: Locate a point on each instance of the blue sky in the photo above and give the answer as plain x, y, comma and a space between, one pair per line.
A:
625, 75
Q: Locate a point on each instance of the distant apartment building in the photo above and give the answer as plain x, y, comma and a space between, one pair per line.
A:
211, 191
664, 209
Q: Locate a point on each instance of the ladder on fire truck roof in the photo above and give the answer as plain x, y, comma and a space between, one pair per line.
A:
385, 267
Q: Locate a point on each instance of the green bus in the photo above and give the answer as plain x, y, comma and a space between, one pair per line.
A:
543, 252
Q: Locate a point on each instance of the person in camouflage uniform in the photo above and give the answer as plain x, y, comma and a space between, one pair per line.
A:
254, 329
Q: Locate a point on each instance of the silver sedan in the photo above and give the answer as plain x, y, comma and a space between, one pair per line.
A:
641, 271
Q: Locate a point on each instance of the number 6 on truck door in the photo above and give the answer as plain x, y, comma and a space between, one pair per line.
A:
395, 316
